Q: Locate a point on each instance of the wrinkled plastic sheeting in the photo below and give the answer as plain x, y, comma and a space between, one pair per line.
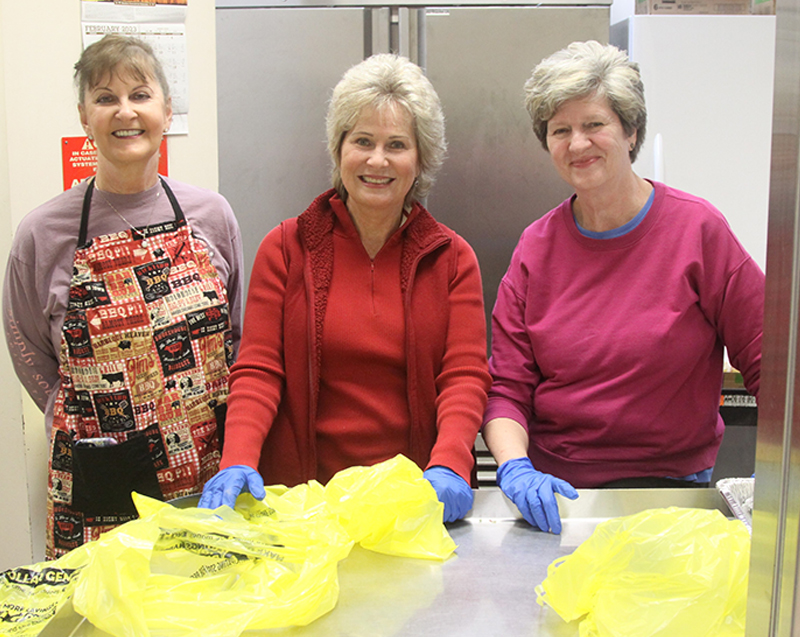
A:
659, 573
268, 564
31, 595
390, 509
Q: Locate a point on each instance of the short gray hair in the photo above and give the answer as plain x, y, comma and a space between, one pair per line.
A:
118, 53
581, 70
389, 80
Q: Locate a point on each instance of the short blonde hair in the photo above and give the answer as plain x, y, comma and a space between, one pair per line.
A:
389, 80
118, 53
581, 70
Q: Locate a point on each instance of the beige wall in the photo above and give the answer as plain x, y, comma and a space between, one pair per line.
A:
39, 43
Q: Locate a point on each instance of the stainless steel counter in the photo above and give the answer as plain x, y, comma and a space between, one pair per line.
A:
487, 588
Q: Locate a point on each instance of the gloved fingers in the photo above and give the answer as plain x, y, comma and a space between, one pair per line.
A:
564, 488
224, 488
212, 494
210, 498
524, 506
255, 485
450, 511
547, 497
232, 490
539, 513
518, 496
452, 491
457, 503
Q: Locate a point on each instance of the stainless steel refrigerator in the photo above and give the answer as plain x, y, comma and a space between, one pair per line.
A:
278, 62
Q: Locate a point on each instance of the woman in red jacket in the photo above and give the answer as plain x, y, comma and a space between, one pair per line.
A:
364, 333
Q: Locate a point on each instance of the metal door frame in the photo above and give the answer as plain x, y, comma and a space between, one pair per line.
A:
773, 589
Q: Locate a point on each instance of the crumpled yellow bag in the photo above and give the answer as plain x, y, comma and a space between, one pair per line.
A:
659, 573
390, 508
269, 564
31, 595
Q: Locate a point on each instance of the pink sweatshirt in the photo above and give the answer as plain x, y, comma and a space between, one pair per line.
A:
609, 351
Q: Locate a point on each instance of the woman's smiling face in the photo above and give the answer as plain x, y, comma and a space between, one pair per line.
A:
379, 160
127, 117
588, 144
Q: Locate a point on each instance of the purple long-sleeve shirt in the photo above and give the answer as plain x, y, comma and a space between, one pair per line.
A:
609, 351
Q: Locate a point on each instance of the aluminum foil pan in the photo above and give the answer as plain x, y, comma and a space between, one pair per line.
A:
738, 494
185, 501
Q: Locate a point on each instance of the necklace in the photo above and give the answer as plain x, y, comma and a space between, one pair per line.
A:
142, 232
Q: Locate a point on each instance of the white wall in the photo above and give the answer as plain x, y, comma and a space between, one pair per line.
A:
40, 40
704, 75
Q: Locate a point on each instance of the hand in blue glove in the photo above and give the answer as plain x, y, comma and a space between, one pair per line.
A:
452, 491
226, 486
534, 492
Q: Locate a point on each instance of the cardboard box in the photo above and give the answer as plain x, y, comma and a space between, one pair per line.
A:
693, 7
763, 7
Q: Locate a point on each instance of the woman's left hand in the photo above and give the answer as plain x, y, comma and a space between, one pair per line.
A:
452, 491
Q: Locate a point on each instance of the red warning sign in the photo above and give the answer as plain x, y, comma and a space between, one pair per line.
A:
79, 159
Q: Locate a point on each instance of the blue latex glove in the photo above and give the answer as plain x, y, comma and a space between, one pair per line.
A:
452, 491
226, 486
534, 492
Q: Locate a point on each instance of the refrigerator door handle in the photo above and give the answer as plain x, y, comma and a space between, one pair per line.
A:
400, 34
377, 30
393, 29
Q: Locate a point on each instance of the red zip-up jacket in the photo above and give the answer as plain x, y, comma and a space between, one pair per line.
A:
272, 406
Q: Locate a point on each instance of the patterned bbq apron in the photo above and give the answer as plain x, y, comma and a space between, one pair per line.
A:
145, 351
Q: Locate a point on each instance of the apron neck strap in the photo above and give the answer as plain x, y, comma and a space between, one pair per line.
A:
176, 207
87, 204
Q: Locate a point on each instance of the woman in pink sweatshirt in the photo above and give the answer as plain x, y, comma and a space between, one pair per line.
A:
610, 323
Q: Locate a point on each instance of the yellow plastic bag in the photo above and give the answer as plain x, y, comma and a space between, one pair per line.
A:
30, 596
186, 571
659, 573
390, 508
268, 564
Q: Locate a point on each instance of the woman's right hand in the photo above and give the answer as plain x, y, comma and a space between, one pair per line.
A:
534, 492
226, 486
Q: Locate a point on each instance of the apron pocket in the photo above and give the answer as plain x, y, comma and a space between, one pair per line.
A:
103, 478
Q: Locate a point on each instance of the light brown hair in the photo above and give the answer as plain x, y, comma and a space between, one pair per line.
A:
118, 54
